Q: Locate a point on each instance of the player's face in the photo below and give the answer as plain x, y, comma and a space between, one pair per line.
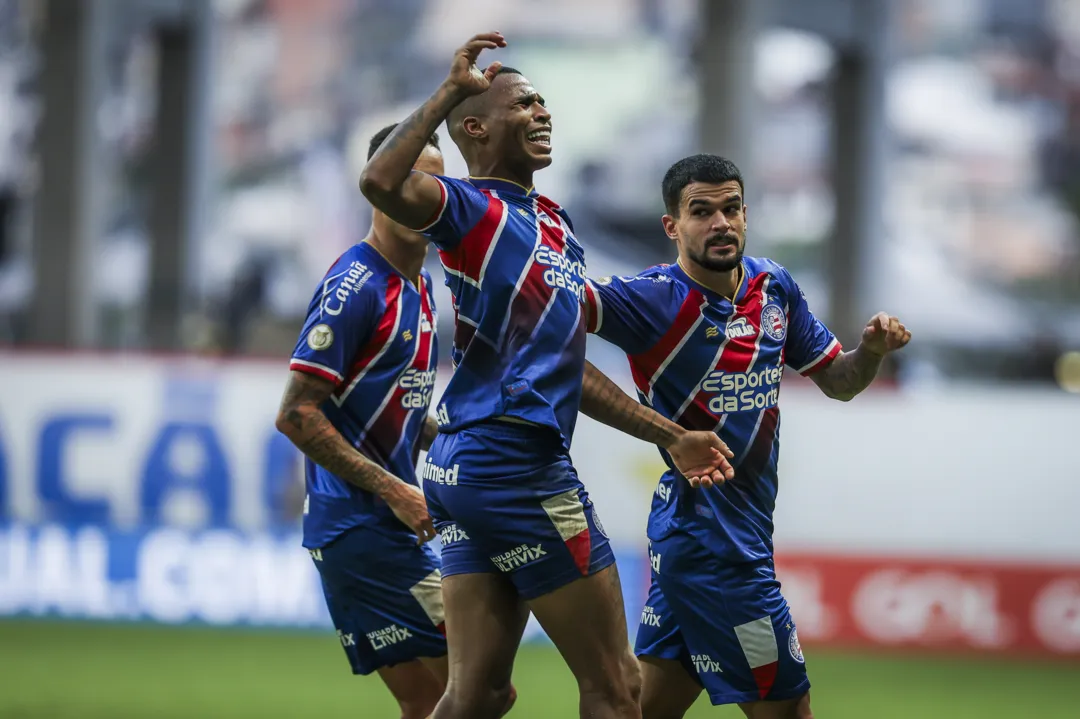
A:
519, 124
431, 162
710, 230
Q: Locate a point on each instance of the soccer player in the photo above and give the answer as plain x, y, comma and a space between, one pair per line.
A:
518, 529
356, 405
708, 339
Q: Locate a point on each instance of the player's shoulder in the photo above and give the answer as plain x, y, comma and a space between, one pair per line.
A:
778, 275
654, 284
358, 276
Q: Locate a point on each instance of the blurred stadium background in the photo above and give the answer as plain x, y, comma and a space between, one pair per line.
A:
175, 176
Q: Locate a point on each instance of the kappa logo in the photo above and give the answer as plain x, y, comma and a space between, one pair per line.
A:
704, 664
740, 328
649, 617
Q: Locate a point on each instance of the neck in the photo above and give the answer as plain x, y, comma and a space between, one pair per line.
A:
406, 257
501, 171
725, 283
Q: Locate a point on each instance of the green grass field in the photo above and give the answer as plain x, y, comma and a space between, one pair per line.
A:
54, 670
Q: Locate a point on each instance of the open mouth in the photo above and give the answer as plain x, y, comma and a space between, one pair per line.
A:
540, 137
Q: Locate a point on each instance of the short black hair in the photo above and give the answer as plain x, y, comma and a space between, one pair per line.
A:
712, 169
470, 106
380, 137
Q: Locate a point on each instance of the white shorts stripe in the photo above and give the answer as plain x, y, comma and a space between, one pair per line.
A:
758, 642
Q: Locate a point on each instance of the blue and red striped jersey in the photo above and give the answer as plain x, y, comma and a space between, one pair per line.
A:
709, 364
517, 276
371, 332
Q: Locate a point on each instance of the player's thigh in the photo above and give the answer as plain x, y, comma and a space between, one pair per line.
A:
667, 689
415, 688
738, 629
797, 708
439, 667
586, 621
485, 619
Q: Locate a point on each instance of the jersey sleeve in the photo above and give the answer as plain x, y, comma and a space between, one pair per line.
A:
461, 208
622, 312
810, 345
340, 321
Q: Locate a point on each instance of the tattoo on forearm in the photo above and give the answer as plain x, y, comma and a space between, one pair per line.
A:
301, 419
849, 374
604, 401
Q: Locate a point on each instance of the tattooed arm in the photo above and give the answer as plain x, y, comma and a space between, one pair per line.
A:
428, 433
848, 375
388, 180
852, 372
700, 456
302, 420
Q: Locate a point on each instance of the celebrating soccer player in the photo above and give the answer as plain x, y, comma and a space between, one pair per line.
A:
518, 528
356, 405
708, 339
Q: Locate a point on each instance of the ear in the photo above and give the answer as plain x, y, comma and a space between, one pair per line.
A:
473, 127
669, 227
746, 217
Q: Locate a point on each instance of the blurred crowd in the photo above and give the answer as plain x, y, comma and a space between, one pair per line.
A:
982, 194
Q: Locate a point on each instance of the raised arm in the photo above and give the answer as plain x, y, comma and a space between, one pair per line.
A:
388, 181
700, 456
301, 419
852, 372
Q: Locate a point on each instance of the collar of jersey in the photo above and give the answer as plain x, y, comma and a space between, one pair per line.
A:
504, 186
711, 293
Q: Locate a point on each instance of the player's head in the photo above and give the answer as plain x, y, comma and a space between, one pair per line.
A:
493, 129
706, 215
430, 161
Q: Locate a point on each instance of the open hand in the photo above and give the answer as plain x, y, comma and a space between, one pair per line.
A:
465, 77
702, 457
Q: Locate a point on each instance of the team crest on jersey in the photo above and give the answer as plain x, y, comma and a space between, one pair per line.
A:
774, 322
425, 326
794, 647
320, 337
739, 328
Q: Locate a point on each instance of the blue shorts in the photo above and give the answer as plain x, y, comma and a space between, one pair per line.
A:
506, 499
384, 594
727, 623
